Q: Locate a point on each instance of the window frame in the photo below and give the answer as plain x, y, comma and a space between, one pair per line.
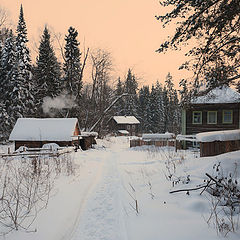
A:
200, 117
216, 112
224, 122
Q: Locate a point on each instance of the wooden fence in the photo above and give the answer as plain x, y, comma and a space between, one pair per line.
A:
218, 147
157, 143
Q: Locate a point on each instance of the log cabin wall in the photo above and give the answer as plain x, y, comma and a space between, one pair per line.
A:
205, 127
39, 144
76, 130
218, 147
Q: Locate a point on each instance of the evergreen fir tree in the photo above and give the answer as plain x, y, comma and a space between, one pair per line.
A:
9, 69
3, 112
130, 87
22, 101
144, 111
160, 109
8, 75
184, 94
154, 110
5, 124
171, 103
47, 72
119, 106
72, 64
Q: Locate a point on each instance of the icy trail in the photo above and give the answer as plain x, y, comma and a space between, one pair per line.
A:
102, 216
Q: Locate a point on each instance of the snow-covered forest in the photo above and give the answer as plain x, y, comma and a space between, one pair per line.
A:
51, 87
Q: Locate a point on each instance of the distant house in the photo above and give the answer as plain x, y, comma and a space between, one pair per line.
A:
34, 132
216, 111
124, 125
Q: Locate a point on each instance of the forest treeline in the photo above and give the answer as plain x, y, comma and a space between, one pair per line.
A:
53, 88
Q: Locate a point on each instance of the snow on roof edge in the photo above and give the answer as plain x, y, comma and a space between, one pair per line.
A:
218, 95
43, 129
126, 120
228, 135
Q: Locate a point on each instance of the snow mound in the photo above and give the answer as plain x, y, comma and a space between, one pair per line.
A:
156, 136
229, 135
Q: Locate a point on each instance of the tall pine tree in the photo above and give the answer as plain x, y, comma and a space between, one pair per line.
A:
3, 113
47, 72
72, 64
9, 69
130, 87
144, 109
22, 101
119, 106
172, 105
8, 76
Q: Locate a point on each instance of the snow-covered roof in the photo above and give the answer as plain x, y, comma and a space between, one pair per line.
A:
43, 129
189, 138
155, 136
228, 135
123, 131
89, 134
126, 120
218, 95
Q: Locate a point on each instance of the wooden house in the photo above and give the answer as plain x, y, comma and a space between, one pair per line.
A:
34, 132
129, 124
216, 111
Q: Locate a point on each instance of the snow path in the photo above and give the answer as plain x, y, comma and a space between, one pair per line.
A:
102, 216
85, 193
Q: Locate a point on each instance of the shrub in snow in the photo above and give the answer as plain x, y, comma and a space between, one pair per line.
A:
25, 185
25, 189
225, 203
51, 146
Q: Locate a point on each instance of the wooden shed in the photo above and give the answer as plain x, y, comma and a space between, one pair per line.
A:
218, 142
34, 132
87, 140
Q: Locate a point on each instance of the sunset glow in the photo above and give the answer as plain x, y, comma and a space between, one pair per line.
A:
128, 29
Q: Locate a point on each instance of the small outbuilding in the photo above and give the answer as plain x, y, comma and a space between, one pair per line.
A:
87, 140
35, 132
124, 125
218, 142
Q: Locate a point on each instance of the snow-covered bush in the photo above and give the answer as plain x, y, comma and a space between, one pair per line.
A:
25, 186
224, 200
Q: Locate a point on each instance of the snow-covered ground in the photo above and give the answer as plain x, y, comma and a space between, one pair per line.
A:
122, 193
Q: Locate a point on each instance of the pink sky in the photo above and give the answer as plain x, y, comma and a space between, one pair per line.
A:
127, 28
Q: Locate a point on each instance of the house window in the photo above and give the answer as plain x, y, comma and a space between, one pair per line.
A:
128, 127
227, 116
197, 117
133, 127
212, 117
